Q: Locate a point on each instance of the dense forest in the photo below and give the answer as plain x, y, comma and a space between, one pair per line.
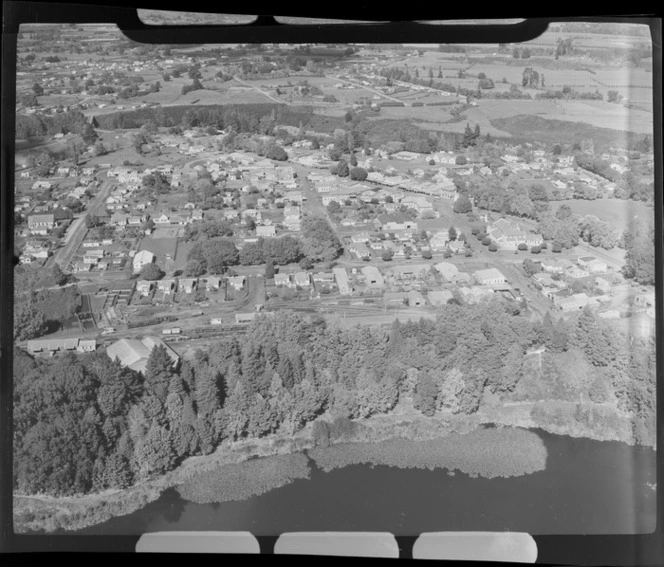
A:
83, 424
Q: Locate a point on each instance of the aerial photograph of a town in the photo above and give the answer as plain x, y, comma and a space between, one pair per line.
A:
309, 287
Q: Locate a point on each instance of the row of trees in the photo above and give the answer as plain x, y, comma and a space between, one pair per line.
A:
82, 424
71, 121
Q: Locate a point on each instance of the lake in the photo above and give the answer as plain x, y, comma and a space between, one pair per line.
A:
588, 487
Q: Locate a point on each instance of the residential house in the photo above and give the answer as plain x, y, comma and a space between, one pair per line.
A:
489, 276
456, 246
283, 280
592, 264
552, 266
373, 277
54, 345
449, 271
343, 282
167, 286
360, 250
188, 285
509, 235
213, 283
360, 237
476, 294
440, 297
573, 302
142, 259
302, 279
41, 224
162, 219
439, 240
416, 299
411, 271
324, 278
119, 219
394, 221
144, 287
237, 282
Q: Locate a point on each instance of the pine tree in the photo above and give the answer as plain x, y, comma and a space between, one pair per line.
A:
153, 409
559, 338
426, 391
279, 399
154, 454
237, 411
187, 375
207, 392
176, 385
158, 372
590, 337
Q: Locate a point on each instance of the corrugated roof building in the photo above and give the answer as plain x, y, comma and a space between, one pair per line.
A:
134, 354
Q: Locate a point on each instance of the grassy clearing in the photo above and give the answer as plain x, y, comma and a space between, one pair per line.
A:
243, 480
160, 247
488, 452
536, 128
615, 211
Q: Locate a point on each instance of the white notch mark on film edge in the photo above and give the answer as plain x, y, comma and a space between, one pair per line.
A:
198, 542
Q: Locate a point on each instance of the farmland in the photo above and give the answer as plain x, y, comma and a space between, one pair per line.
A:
594, 113
531, 127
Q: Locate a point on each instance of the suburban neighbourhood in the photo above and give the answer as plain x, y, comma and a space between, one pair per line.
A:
297, 245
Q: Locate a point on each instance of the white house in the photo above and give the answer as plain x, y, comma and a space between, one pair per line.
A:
142, 259
282, 280
489, 276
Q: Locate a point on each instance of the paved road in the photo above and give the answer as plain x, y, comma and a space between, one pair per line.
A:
254, 87
461, 97
77, 230
375, 91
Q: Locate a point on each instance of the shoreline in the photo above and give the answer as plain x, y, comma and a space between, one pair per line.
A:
42, 513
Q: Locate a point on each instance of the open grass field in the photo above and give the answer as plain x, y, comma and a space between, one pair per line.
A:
427, 114
160, 247
181, 256
595, 113
615, 211
435, 59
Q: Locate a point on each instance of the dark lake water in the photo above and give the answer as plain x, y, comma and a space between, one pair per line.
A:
588, 487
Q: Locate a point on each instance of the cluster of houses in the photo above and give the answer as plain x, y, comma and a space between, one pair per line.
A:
169, 286
404, 284
557, 275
